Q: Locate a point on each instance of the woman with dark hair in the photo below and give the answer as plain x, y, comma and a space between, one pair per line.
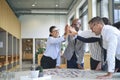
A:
51, 57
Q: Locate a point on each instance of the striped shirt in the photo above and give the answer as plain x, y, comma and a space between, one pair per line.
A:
95, 51
95, 48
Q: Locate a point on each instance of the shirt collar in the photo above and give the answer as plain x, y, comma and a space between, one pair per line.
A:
102, 31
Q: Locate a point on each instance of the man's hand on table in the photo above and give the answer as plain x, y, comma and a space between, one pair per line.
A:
98, 68
80, 67
107, 76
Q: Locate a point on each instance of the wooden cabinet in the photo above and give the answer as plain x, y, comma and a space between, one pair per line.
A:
39, 58
87, 61
63, 62
27, 56
27, 49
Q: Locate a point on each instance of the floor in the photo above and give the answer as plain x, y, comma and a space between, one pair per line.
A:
26, 65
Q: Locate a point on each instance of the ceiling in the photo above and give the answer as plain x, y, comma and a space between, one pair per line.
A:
21, 7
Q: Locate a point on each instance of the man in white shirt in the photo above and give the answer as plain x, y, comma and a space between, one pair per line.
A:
97, 54
111, 42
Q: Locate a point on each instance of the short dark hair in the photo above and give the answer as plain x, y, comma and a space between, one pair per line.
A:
106, 21
51, 28
96, 20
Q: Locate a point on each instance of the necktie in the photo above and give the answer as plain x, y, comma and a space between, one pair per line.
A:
103, 55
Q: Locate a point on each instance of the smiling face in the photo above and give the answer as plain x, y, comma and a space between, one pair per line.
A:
55, 32
76, 24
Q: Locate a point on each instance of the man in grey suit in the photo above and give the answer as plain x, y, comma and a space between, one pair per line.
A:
75, 49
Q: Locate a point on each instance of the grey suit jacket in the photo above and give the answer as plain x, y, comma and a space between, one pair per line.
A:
79, 49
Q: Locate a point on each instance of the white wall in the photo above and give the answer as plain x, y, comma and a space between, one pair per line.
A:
37, 26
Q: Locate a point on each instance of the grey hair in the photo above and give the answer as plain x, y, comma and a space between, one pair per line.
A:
96, 20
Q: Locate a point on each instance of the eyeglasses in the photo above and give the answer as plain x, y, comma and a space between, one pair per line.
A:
55, 31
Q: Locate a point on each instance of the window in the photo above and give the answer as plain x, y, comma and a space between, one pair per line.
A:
98, 8
83, 15
116, 10
71, 19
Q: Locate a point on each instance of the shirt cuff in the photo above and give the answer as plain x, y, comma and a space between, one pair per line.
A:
111, 70
57, 64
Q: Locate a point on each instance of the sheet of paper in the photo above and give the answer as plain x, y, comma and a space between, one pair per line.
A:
39, 78
43, 78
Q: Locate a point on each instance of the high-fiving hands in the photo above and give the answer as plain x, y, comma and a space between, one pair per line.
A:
67, 29
70, 30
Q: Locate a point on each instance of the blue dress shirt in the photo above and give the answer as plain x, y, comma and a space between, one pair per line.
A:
53, 48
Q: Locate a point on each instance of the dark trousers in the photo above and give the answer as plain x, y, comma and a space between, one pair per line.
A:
117, 64
93, 63
72, 63
48, 62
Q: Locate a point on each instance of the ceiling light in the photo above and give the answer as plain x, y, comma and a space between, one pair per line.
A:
33, 5
56, 5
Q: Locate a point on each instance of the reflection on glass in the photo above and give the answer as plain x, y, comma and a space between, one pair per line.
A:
40, 45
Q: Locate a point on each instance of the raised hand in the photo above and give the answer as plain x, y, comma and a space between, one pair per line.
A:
67, 29
73, 31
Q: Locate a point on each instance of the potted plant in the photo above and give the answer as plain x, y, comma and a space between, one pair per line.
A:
40, 51
40, 71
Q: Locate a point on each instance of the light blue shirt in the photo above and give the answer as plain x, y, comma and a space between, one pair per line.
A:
53, 48
111, 42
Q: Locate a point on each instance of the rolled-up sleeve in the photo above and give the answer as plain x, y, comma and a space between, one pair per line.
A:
58, 61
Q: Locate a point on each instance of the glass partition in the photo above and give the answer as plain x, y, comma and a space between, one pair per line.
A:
40, 45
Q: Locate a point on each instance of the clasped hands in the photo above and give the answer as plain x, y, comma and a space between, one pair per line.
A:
69, 30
